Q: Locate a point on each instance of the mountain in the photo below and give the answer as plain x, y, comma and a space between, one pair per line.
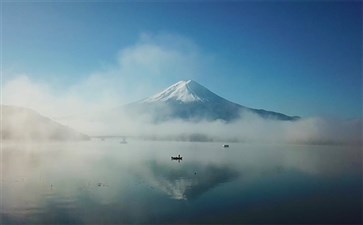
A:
188, 100
20, 123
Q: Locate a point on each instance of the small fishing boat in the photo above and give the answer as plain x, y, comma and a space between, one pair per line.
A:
225, 146
176, 157
123, 141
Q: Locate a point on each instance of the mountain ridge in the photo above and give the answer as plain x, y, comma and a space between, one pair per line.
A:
20, 123
189, 100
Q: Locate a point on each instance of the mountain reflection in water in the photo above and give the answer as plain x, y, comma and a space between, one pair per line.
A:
108, 183
187, 183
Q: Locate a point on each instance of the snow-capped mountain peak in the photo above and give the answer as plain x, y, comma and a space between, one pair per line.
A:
183, 91
189, 100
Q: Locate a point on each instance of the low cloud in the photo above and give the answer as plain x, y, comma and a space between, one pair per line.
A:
153, 59
250, 128
85, 105
23, 91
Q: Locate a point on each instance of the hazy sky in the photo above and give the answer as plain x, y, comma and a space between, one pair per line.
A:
295, 57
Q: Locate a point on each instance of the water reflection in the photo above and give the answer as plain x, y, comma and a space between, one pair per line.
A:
189, 181
106, 182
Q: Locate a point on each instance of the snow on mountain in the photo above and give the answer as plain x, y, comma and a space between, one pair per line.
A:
188, 100
184, 91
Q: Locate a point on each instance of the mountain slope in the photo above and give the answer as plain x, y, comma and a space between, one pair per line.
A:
20, 123
189, 100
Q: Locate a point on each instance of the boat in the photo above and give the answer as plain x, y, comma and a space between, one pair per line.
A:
225, 146
123, 141
176, 157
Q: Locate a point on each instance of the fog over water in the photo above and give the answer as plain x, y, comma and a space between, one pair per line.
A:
108, 182
264, 112
99, 117
277, 175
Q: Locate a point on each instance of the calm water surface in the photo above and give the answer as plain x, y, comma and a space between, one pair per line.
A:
109, 182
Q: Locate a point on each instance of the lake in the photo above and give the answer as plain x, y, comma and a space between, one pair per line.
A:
107, 182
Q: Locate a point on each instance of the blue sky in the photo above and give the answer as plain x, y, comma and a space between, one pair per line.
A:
295, 57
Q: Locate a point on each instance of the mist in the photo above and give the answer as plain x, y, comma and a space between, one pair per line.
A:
23, 124
249, 128
105, 117
89, 105
35, 168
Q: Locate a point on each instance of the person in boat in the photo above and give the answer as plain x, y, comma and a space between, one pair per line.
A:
179, 156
